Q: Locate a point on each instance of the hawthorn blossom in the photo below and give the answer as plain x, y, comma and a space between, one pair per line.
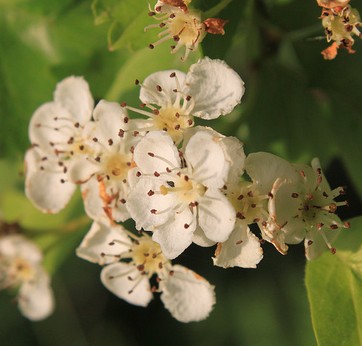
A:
178, 193
103, 168
21, 268
182, 25
332, 3
56, 134
131, 261
301, 204
340, 24
210, 89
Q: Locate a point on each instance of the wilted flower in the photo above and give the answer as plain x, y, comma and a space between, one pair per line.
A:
21, 269
182, 25
133, 260
340, 25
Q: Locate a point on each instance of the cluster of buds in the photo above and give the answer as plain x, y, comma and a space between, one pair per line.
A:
341, 22
182, 25
180, 183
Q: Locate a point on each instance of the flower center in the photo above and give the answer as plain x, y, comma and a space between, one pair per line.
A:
188, 190
249, 204
15, 271
187, 29
147, 256
117, 165
174, 121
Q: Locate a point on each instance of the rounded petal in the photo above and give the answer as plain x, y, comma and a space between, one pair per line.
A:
99, 202
315, 243
236, 157
45, 124
126, 282
215, 88
73, 94
264, 169
150, 210
242, 249
156, 152
176, 235
15, 245
48, 191
110, 118
205, 154
103, 243
187, 295
36, 300
81, 170
216, 216
150, 93
200, 239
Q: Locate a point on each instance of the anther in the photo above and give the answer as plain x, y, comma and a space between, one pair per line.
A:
150, 193
186, 226
123, 201
159, 88
95, 139
110, 141
121, 133
173, 75
295, 195
123, 104
156, 174
153, 211
310, 242
151, 46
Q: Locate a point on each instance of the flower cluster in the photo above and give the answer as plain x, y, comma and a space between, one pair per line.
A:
340, 22
180, 183
182, 25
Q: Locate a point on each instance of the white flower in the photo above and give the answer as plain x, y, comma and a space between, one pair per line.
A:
133, 261
301, 204
55, 132
210, 89
268, 172
103, 169
20, 267
177, 193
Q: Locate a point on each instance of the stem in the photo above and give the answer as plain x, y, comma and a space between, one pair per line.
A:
216, 9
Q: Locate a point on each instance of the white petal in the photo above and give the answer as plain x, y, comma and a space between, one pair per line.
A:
150, 210
265, 169
215, 88
200, 239
36, 300
187, 295
110, 118
98, 203
15, 245
315, 244
73, 94
44, 129
45, 189
216, 216
156, 152
176, 235
81, 170
97, 242
242, 249
207, 158
116, 278
150, 94
236, 157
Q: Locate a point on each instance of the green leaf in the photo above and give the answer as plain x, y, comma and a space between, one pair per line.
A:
334, 285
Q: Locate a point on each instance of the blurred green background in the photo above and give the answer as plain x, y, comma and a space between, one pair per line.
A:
296, 105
